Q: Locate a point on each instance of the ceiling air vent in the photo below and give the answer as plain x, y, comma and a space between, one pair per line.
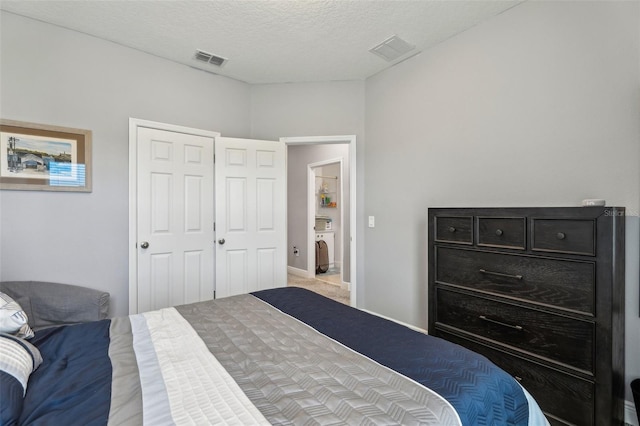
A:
210, 58
392, 48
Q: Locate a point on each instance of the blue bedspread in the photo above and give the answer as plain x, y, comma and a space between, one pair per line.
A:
73, 384
467, 380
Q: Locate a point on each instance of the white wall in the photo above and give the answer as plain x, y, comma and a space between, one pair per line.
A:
316, 109
55, 76
538, 106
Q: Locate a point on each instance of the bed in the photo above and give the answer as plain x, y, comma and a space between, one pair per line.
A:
280, 356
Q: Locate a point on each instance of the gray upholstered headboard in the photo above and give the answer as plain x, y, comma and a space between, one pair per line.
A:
51, 304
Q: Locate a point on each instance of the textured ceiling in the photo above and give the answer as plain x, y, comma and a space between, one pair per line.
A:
268, 41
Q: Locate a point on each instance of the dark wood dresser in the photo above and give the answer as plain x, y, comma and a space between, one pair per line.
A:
540, 292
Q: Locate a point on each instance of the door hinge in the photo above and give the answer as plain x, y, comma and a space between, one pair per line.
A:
214, 227
214, 159
214, 294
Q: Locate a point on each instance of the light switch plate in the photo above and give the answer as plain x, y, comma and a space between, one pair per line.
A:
372, 222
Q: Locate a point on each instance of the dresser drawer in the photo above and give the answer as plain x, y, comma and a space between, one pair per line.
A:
556, 337
564, 283
454, 229
565, 399
572, 236
508, 232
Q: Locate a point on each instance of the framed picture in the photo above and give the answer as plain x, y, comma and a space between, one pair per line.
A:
39, 157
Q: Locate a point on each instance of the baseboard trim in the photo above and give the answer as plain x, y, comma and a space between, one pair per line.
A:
297, 271
413, 327
630, 415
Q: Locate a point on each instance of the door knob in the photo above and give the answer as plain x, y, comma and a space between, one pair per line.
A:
221, 241
144, 244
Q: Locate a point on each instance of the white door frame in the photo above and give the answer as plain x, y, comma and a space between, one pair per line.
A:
341, 139
134, 124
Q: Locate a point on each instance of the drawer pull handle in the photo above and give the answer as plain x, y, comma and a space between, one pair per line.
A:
504, 324
500, 274
561, 235
499, 232
452, 229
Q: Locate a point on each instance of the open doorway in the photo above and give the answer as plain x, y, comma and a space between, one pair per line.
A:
325, 194
321, 205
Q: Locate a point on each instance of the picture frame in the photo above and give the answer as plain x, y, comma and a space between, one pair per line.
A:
41, 157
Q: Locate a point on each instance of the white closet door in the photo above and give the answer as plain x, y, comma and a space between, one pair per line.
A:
175, 241
250, 193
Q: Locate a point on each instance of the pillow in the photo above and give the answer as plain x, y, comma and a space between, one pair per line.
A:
13, 320
18, 359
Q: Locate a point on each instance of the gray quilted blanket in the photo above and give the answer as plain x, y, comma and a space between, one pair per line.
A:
239, 360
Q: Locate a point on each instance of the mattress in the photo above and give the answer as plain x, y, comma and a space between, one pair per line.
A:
281, 356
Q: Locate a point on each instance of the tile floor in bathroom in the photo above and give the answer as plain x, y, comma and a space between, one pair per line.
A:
327, 284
